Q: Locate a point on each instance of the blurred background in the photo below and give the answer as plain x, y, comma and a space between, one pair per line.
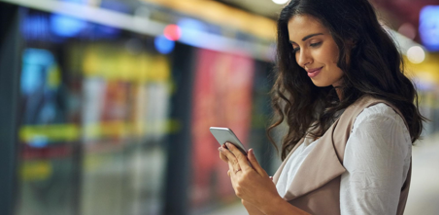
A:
106, 104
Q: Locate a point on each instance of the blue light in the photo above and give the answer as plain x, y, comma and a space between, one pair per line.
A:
66, 26
35, 27
429, 27
192, 24
423, 85
191, 31
103, 31
35, 63
163, 45
39, 141
198, 34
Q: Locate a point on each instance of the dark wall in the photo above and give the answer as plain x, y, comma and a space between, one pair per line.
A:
179, 145
9, 86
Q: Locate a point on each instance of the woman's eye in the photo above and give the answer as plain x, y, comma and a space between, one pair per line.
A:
315, 44
296, 50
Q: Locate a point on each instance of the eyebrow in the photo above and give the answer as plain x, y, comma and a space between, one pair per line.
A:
309, 36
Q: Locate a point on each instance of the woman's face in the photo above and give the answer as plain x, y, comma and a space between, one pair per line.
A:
315, 50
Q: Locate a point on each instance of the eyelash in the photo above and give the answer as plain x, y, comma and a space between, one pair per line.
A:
312, 45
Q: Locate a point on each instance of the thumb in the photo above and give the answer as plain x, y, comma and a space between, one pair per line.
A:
255, 164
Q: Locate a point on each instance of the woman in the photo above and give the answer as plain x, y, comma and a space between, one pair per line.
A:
350, 113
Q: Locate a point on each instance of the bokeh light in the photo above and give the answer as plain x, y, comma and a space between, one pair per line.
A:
416, 54
429, 27
407, 30
164, 45
172, 32
280, 1
66, 26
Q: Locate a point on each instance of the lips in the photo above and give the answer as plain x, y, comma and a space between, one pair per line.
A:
314, 72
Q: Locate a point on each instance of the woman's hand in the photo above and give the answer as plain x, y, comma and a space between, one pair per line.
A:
251, 183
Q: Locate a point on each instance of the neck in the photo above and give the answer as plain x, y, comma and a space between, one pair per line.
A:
338, 89
339, 93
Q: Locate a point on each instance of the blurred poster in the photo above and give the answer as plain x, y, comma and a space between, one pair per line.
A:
157, 110
46, 168
222, 98
92, 104
105, 119
125, 113
94, 119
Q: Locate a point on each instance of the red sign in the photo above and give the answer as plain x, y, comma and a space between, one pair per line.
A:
222, 98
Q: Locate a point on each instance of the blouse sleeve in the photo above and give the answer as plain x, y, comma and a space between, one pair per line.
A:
377, 159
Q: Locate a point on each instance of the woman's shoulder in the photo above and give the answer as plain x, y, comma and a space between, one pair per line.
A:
381, 116
378, 109
379, 112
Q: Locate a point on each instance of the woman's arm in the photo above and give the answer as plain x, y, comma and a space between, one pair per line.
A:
377, 158
281, 207
253, 185
251, 209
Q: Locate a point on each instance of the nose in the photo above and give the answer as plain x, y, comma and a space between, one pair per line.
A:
303, 58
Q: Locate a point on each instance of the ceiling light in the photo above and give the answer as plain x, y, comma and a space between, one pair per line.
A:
280, 1
416, 54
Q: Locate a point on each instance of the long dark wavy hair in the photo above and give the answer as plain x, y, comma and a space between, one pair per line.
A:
368, 57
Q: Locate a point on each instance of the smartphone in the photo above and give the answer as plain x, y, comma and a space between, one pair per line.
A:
223, 135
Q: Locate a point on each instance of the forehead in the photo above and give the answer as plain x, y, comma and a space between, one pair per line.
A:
300, 26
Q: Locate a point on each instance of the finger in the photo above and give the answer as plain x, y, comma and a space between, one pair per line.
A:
234, 172
255, 163
242, 159
222, 156
231, 170
231, 159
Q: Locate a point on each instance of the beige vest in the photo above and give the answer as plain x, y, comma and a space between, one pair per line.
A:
316, 187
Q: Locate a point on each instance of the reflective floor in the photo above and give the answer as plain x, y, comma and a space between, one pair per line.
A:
424, 191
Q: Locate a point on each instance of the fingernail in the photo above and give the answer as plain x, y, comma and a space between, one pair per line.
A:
227, 144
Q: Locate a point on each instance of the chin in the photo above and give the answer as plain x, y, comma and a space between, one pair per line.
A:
321, 84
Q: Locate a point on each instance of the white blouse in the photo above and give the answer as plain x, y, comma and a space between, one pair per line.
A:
377, 160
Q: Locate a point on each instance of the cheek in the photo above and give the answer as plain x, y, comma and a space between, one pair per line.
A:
327, 55
333, 52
